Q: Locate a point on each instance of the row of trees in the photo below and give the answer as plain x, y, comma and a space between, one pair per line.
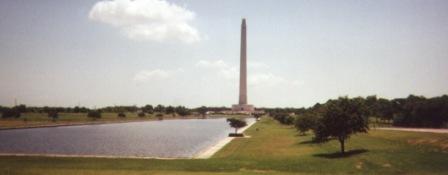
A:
15, 112
413, 111
342, 117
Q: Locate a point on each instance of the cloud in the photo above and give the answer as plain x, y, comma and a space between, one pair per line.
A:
270, 79
220, 67
257, 65
155, 20
259, 74
220, 64
156, 74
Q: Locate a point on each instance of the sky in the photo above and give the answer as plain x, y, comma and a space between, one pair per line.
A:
98, 53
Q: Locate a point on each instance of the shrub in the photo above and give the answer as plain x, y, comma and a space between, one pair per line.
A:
121, 114
94, 114
11, 113
284, 118
141, 114
53, 115
305, 122
257, 116
159, 116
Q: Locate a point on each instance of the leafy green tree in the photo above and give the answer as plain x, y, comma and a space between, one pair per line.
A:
170, 110
385, 109
148, 109
11, 113
182, 111
305, 122
203, 111
21, 108
159, 108
284, 118
236, 123
342, 118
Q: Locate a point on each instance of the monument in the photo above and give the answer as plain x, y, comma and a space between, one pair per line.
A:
242, 105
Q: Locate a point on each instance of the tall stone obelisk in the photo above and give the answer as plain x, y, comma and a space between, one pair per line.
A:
242, 105
243, 65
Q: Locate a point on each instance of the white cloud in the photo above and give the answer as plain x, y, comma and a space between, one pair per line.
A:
156, 74
220, 64
270, 79
156, 20
259, 74
257, 65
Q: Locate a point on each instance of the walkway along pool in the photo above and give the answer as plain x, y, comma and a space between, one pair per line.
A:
151, 139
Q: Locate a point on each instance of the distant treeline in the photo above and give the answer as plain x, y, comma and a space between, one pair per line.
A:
15, 112
413, 111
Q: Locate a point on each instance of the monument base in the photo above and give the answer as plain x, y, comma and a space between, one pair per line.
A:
244, 108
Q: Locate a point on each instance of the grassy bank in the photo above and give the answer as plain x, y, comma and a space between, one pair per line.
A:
41, 119
271, 149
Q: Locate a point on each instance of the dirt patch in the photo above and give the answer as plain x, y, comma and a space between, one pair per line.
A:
442, 144
258, 171
386, 165
359, 165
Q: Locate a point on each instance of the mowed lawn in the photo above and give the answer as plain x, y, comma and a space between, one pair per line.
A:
271, 149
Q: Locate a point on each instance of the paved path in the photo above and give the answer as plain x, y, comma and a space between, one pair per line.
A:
417, 129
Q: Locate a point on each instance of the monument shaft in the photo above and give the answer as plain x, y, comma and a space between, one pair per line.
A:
242, 106
243, 65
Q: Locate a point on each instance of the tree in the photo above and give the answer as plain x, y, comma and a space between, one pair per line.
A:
342, 118
159, 108
182, 111
94, 114
148, 109
203, 111
11, 113
257, 116
21, 108
170, 110
236, 123
283, 118
121, 115
53, 114
385, 110
305, 122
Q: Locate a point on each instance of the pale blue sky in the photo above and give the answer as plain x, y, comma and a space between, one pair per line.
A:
300, 52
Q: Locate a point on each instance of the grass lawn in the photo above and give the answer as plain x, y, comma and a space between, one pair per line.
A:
271, 149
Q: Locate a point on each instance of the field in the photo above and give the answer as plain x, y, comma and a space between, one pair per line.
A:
271, 149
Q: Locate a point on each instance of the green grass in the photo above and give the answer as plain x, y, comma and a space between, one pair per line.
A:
39, 119
271, 149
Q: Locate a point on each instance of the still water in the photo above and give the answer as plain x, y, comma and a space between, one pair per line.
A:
164, 139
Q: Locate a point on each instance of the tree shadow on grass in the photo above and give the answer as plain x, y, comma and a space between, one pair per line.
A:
340, 155
309, 142
313, 141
